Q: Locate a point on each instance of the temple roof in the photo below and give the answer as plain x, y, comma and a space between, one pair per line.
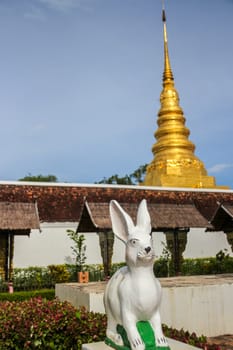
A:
19, 217
164, 216
59, 202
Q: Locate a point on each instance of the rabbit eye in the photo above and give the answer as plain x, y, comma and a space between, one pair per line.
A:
133, 241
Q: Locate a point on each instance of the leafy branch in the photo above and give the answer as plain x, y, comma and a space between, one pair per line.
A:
79, 248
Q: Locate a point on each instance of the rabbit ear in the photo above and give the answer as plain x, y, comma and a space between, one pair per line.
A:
143, 217
122, 223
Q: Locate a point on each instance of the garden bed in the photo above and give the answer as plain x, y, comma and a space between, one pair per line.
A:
43, 325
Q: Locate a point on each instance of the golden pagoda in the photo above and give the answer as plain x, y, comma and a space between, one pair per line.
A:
174, 163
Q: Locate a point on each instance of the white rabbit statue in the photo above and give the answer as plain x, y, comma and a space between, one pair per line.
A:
133, 294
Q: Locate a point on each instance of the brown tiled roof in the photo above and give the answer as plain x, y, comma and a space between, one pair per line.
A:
95, 216
170, 216
18, 216
222, 219
64, 202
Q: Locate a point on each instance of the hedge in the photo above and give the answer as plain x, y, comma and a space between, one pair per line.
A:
48, 294
35, 277
220, 264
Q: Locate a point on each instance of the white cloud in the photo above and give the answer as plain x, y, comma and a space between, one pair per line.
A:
34, 14
39, 127
64, 5
37, 11
218, 168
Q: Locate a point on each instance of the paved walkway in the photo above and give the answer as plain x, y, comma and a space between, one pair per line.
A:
184, 281
224, 341
181, 281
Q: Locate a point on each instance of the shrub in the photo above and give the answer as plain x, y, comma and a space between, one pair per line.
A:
207, 266
33, 277
221, 263
46, 277
161, 268
188, 338
116, 266
59, 273
48, 294
41, 324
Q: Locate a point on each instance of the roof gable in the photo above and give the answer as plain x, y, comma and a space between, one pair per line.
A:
18, 216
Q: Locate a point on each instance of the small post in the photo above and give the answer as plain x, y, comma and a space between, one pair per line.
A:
83, 277
10, 287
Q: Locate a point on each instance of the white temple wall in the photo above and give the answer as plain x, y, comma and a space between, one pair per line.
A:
52, 246
203, 244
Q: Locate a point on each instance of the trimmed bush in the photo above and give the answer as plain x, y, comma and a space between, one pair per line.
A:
207, 266
34, 278
220, 264
48, 294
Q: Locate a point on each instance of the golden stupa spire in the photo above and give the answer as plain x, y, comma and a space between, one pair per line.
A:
167, 75
174, 163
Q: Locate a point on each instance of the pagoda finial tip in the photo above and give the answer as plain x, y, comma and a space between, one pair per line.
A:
163, 12
163, 16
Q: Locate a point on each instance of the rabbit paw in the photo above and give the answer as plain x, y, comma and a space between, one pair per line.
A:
137, 344
161, 341
115, 337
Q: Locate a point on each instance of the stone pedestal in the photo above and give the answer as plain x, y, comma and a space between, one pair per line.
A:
202, 297
174, 345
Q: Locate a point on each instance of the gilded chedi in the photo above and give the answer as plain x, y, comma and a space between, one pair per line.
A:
174, 163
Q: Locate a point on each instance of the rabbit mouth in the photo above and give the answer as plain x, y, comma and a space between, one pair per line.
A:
145, 256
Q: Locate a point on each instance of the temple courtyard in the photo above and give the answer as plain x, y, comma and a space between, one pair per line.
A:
201, 304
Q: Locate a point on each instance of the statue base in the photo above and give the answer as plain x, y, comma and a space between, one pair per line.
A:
173, 344
147, 335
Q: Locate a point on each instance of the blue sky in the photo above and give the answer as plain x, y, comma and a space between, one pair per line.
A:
80, 82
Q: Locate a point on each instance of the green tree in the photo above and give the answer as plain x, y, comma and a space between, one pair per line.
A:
133, 179
116, 180
139, 174
39, 178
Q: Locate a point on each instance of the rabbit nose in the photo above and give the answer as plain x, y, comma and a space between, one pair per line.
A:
148, 249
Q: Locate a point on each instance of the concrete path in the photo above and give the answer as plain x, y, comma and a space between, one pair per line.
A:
224, 341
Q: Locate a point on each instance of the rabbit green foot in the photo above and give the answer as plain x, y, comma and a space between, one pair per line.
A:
146, 332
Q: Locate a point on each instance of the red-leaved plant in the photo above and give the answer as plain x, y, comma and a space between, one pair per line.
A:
41, 324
